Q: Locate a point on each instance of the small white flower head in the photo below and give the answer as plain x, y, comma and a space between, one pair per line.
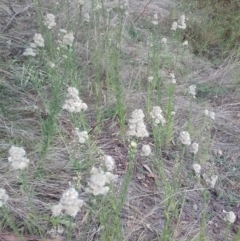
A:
29, 52
155, 19
146, 150
57, 210
69, 203
181, 22
82, 136
81, 2
136, 125
150, 79
156, 115
17, 158
196, 168
174, 26
109, 162
49, 21
210, 114
185, 43
230, 217
185, 138
194, 148
163, 40
33, 45
86, 17
98, 180
133, 144
68, 39
3, 197
38, 40
62, 30
192, 90
98, 6
211, 181
172, 77
51, 64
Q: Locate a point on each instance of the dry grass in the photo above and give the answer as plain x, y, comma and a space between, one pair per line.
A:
142, 216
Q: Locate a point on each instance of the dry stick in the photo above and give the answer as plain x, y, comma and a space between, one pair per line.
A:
142, 11
14, 16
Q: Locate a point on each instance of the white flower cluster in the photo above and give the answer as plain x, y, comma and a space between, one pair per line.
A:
38, 41
192, 90
86, 17
211, 114
146, 150
82, 136
136, 125
210, 181
3, 197
150, 79
155, 19
185, 43
180, 23
69, 203
194, 148
172, 77
73, 103
185, 138
108, 162
196, 168
230, 216
68, 39
157, 116
81, 2
49, 21
98, 180
163, 40
17, 158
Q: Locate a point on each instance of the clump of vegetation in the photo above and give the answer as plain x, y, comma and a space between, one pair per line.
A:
214, 29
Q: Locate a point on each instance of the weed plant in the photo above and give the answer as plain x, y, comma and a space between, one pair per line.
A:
96, 139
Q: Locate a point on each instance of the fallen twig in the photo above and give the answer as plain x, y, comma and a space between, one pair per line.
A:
14, 16
142, 11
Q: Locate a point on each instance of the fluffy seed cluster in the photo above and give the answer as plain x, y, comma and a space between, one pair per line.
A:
69, 203
210, 114
82, 136
49, 21
185, 138
194, 148
3, 197
98, 181
73, 103
156, 115
136, 125
150, 79
181, 23
146, 150
17, 158
192, 90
